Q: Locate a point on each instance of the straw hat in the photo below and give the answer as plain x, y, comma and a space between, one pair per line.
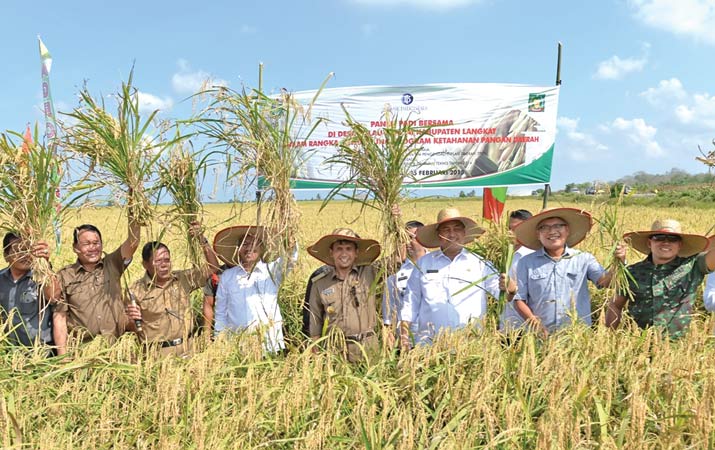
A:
692, 243
227, 241
428, 235
579, 222
368, 250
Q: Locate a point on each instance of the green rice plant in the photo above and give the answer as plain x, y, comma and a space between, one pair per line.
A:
261, 134
30, 178
120, 151
180, 175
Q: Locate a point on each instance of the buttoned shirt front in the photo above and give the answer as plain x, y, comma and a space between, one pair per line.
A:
347, 304
166, 310
249, 301
93, 300
510, 319
556, 289
395, 291
447, 294
664, 294
20, 299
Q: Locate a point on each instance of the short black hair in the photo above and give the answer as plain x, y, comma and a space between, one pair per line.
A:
150, 248
414, 224
344, 241
7, 241
520, 214
84, 227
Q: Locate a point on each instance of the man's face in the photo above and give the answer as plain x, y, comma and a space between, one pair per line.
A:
159, 265
451, 235
344, 254
553, 233
414, 248
664, 247
88, 247
18, 256
250, 250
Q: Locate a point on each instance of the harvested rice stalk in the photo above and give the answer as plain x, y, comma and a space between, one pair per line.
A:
30, 176
179, 175
378, 167
120, 152
258, 132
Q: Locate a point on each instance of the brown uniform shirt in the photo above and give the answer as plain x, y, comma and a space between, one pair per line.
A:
166, 311
93, 300
347, 304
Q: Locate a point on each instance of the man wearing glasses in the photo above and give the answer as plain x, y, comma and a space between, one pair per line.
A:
343, 298
664, 284
552, 288
87, 295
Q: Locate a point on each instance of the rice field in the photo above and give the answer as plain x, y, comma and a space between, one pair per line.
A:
581, 388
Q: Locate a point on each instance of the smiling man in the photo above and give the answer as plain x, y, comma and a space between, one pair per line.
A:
552, 287
665, 282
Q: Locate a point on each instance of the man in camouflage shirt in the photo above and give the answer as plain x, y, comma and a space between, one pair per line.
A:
664, 284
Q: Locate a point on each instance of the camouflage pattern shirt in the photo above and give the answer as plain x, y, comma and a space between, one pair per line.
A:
664, 294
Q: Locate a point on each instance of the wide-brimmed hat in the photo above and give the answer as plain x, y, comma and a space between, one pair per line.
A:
428, 235
227, 241
692, 243
367, 249
579, 222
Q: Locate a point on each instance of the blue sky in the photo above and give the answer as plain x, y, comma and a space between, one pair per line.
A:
638, 91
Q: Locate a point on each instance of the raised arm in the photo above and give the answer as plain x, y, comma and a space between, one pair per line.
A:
130, 245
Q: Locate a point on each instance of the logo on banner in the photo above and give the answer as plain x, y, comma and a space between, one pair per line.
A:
537, 102
407, 98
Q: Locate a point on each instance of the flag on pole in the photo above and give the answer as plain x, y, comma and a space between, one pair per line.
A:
27, 139
50, 127
493, 203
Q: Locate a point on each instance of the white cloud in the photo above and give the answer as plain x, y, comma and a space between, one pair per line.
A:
579, 146
701, 111
641, 134
149, 102
188, 81
420, 4
690, 18
616, 68
666, 91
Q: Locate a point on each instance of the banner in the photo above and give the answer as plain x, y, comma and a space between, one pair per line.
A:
482, 134
48, 106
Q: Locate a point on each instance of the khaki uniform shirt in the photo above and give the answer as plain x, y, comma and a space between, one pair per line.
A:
166, 311
93, 300
346, 304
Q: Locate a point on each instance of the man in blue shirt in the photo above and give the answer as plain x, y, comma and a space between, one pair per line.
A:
551, 282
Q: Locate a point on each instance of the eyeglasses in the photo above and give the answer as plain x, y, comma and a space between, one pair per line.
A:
555, 227
665, 238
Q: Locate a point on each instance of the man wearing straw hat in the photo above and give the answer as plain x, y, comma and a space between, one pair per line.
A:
247, 295
345, 295
162, 296
665, 283
20, 297
450, 286
552, 288
510, 319
87, 295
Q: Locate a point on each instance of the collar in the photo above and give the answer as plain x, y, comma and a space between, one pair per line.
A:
568, 253
675, 262
77, 267
6, 273
439, 253
260, 267
355, 269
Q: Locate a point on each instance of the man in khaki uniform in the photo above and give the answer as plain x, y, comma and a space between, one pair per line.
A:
87, 295
345, 294
162, 297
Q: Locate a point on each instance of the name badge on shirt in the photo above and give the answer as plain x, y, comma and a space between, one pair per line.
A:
328, 291
402, 278
432, 271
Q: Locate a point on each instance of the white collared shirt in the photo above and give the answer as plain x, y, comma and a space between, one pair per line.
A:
249, 301
439, 295
395, 292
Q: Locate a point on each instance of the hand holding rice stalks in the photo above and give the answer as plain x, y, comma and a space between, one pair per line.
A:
30, 176
120, 152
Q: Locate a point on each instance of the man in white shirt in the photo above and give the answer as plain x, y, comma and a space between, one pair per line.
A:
397, 283
510, 319
450, 286
247, 294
